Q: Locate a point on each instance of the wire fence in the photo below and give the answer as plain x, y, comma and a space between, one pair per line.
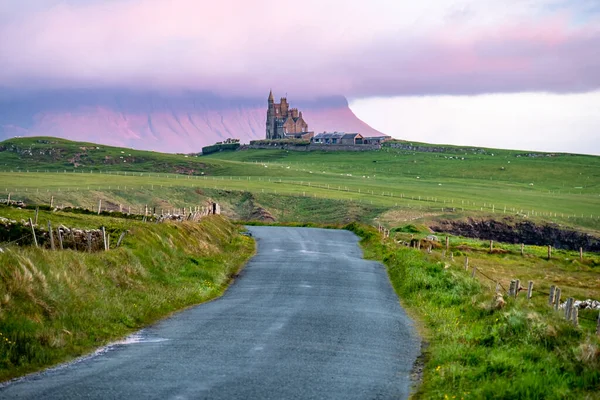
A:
571, 311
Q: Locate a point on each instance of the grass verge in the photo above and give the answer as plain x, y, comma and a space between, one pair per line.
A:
476, 350
55, 306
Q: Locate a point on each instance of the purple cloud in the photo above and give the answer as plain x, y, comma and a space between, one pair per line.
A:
315, 49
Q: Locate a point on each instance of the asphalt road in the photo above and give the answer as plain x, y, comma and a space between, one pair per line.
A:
307, 319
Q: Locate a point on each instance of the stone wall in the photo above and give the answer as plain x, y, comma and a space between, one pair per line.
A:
316, 147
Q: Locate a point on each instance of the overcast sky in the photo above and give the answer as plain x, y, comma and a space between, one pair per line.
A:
509, 73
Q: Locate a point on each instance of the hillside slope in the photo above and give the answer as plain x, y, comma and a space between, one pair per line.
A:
183, 122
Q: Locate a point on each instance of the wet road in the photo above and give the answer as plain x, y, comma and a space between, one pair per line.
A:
307, 319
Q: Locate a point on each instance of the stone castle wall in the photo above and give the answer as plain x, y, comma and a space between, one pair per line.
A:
315, 147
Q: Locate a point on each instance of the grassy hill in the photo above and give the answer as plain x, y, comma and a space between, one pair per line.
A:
401, 184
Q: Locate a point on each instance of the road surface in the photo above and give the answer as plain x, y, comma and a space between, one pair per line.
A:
307, 319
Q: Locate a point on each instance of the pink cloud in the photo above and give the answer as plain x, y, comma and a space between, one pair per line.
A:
318, 48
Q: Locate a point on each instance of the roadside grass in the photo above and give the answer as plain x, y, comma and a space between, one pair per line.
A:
475, 350
55, 306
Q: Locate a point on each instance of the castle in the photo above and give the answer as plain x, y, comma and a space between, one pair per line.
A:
284, 122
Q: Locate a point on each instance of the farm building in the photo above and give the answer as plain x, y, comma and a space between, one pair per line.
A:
376, 139
341, 138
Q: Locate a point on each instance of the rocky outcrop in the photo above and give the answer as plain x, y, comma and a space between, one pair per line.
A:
510, 231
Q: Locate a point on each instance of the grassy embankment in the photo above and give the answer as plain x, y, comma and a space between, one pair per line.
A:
523, 350
55, 306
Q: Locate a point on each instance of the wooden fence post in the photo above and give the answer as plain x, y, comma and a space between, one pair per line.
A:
511, 288
522, 249
447, 243
60, 238
551, 297
121, 238
104, 238
474, 272
491, 246
517, 287
51, 235
33, 233
575, 316
529, 290
568, 308
37, 210
581, 254
51, 201
557, 298
549, 252
99, 206
466, 263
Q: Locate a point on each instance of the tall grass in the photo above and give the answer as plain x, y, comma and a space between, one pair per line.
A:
58, 305
476, 350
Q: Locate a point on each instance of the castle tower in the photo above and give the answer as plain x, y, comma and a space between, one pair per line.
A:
271, 116
282, 120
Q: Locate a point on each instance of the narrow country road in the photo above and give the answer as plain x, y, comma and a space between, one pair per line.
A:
307, 319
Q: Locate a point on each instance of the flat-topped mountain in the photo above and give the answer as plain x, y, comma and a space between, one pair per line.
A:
168, 122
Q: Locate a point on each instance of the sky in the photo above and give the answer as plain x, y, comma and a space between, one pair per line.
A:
502, 73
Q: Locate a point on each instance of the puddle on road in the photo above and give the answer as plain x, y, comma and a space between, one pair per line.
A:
139, 338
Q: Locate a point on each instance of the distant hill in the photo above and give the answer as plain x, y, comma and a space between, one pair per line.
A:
183, 122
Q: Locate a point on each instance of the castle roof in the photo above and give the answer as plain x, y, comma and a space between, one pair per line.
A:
335, 135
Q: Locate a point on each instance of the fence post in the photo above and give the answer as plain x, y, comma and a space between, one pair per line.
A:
552, 292
598, 325
491, 245
51, 201
51, 235
447, 243
517, 287
568, 306
37, 210
581, 254
522, 249
60, 239
89, 241
33, 233
474, 272
575, 316
511, 288
466, 263
557, 298
99, 206
549, 252
104, 238
121, 238
529, 290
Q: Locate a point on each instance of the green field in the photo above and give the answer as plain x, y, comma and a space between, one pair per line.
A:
562, 188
